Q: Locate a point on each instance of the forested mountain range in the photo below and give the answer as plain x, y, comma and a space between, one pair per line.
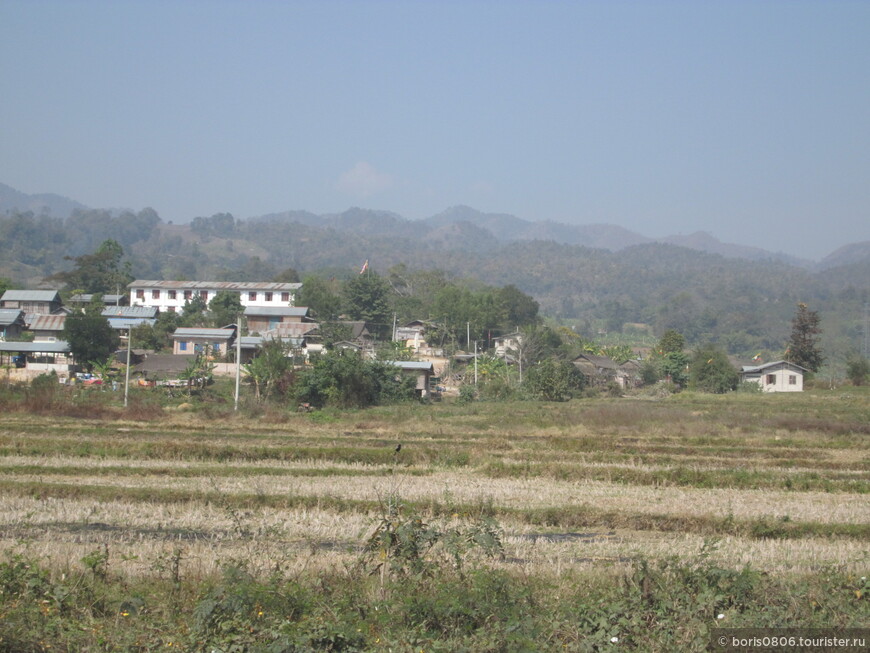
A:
744, 304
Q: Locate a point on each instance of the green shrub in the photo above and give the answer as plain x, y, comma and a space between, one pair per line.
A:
554, 380
345, 379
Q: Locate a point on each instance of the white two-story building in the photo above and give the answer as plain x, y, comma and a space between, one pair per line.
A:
172, 295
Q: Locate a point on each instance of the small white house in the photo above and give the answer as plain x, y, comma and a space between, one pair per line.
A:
778, 376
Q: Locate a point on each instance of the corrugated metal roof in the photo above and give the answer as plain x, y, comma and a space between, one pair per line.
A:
290, 329
30, 296
277, 311
599, 361
9, 316
57, 347
107, 299
764, 366
130, 312
411, 365
194, 332
125, 323
48, 323
215, 285
255, 342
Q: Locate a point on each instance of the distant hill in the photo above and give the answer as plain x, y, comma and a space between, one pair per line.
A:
466, 229
847, 255
47, 203
706, 242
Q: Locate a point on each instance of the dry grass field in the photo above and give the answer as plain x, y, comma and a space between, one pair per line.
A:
595, 498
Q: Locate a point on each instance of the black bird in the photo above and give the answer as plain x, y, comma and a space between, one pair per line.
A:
398, 447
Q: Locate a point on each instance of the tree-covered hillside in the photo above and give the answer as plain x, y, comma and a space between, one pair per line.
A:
745, 306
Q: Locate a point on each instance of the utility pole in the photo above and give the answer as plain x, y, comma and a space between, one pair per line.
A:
127, 371
475, 362
238, 360
394, 327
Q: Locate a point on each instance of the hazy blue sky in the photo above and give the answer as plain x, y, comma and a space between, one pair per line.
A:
750, 120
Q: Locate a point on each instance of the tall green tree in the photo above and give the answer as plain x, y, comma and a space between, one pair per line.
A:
271, 371
225, 308
520, 309
674, 367
159, 335
367, 297
91, 338
803, 346
670, 342
193, 312
321, 296
711, 371
102, 272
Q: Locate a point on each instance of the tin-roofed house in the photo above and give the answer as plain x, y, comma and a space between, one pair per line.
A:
37, 302
421, 371
107, 299
47, 328
214, 343
261, 319
599, 370
11, 323
777, 376
39, 357
124, 318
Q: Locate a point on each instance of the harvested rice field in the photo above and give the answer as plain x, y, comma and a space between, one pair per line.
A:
720, 500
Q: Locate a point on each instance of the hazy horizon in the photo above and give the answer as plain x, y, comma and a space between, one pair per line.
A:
745, 120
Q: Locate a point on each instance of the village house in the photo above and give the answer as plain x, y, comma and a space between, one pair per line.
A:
261, 319
599, 370
124, 318
190, 341
359, 337
413, 336
421, 371
47, 328
11, 323
777, 376
508, 346
251, 345
38, 357
107, 300
33, 302
172, 295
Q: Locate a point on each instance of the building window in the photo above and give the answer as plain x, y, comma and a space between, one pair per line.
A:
204, 295
188, 294
171, 294
252, 296
217, 348
140, 294
155, 294
770, 379
268, 296
171, 309
792, 379
182, 346
285, 297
